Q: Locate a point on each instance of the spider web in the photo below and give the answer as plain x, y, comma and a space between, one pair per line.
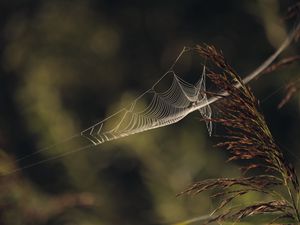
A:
164, 108
159, 116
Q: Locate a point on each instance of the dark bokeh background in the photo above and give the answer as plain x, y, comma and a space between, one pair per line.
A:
67, 64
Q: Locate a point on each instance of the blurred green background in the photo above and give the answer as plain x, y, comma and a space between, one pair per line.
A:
68, 64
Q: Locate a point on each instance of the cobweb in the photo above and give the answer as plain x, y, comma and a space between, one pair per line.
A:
163, 108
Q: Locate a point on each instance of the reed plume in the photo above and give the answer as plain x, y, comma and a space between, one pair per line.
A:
247, 138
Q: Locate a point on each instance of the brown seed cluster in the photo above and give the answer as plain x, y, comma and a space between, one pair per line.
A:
247, 138
256, 209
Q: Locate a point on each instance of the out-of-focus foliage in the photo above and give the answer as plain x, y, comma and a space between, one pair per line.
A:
68, 64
